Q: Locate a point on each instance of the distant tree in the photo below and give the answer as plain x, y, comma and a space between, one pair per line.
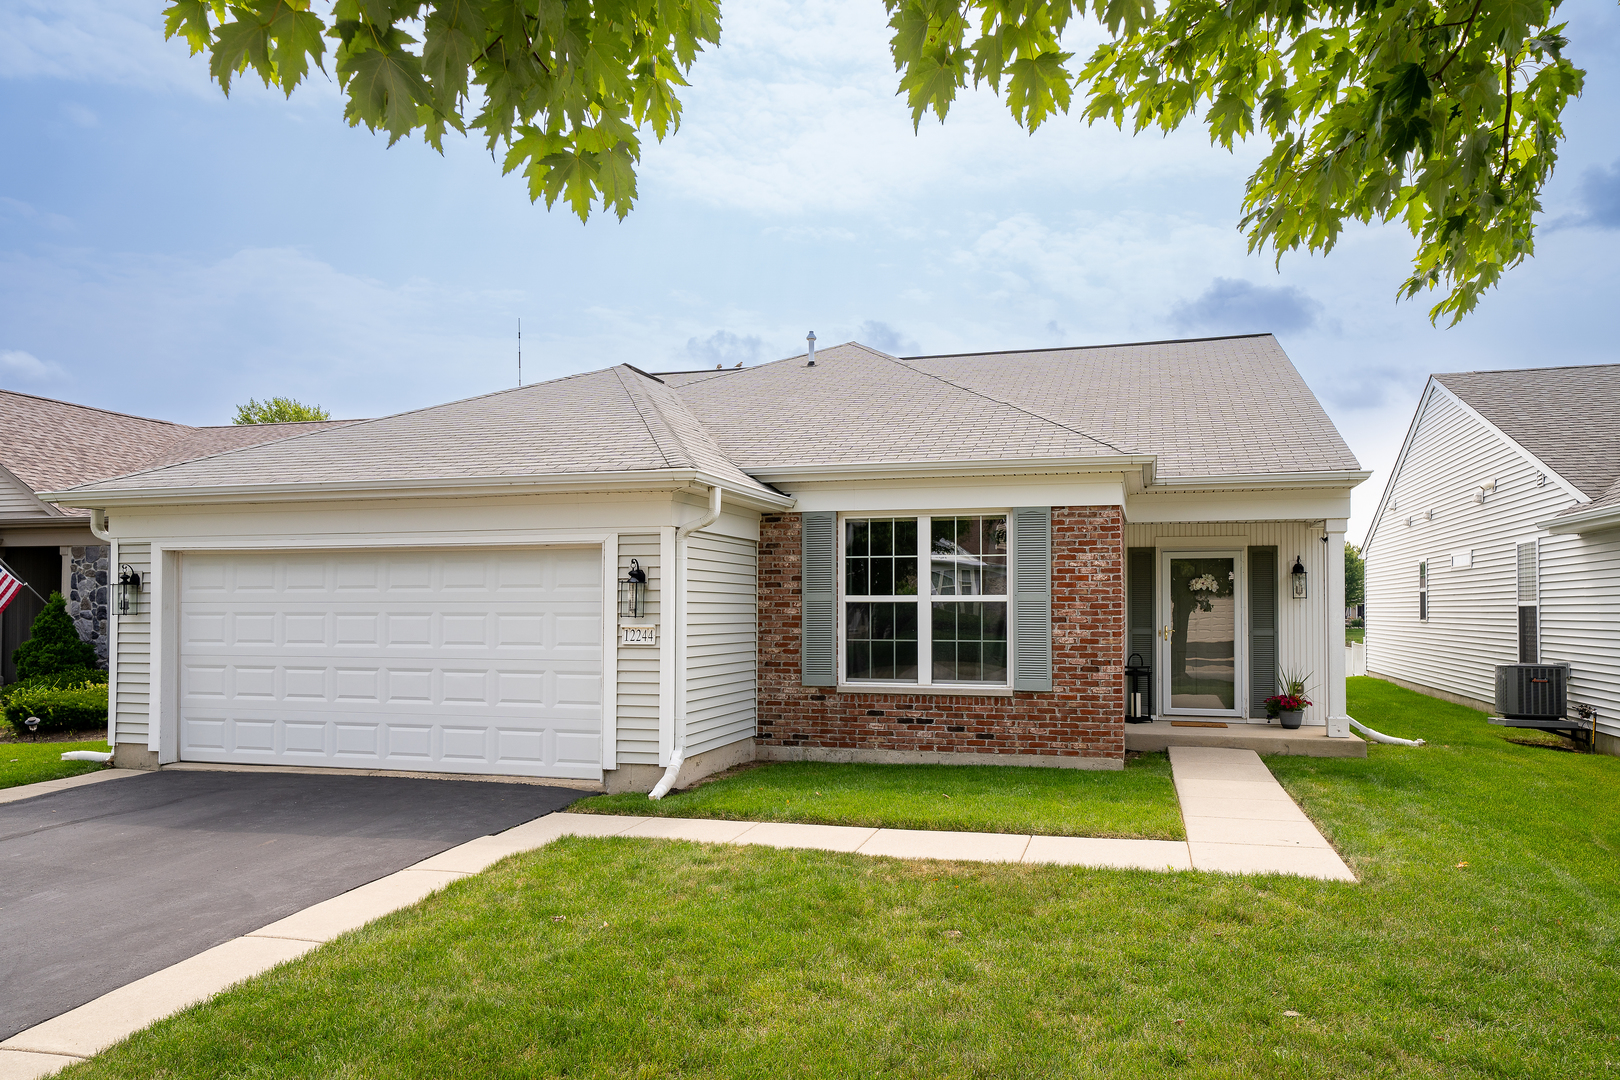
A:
278, 410
1355, 576
53, 644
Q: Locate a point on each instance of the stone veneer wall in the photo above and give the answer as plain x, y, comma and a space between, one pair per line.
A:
87, 595
1083, 716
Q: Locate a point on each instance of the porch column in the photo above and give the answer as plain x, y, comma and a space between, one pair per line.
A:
1338, 719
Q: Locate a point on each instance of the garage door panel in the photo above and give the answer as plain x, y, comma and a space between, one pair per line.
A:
477, 661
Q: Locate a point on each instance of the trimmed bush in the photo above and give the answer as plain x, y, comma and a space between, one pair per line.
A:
53, 644
59, 708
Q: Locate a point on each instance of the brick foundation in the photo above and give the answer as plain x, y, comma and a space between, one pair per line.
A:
1083, 716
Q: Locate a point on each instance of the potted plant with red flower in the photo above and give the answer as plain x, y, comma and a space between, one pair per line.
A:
1290, 705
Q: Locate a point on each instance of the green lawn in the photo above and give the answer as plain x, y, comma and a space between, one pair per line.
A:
1482, 941
1355, 633
1138, 801
31, 762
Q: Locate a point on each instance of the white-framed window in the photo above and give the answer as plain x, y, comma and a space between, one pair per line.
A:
923, 599
1423, 590
1529, 595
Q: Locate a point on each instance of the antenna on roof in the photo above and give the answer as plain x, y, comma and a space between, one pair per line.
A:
520, 352
810, 338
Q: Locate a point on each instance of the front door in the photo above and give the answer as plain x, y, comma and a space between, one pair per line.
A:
1200, 648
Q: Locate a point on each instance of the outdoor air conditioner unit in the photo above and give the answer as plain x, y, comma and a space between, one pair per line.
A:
1532, 691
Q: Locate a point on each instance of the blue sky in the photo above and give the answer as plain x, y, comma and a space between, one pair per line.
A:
170, 252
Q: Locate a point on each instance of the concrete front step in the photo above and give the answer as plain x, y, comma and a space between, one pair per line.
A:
1159, 736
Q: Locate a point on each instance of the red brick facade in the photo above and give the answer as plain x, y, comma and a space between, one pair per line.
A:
1083, 716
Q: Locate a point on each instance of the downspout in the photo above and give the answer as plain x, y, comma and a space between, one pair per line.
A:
678, 643
99, 529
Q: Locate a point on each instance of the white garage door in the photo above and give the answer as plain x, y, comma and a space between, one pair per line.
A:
480, 661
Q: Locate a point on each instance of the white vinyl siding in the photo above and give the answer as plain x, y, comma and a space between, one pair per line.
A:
133, 637
1302, 625
1473, 623
16, 498
722, 648
638, 664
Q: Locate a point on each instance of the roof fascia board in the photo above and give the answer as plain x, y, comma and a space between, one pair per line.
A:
1330, 478
1400, 460
913, 470
1435, 388
450, 487
17, 483
1517, 447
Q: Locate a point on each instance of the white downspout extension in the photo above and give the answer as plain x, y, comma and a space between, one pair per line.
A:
678, 643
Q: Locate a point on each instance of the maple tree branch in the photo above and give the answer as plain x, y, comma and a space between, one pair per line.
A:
1467, 27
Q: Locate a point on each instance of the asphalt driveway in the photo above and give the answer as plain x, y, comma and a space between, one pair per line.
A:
103, 884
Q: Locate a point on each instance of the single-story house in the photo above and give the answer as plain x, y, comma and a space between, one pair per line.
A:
46, 445
1498, 539
847, 555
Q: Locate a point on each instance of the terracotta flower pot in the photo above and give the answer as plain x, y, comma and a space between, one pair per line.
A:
1292, 719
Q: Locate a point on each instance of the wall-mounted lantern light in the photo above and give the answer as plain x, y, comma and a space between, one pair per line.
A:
129, 589
1298, 576
633, 592
1138, 696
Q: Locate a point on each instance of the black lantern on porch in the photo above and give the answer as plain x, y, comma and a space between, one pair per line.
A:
633, 592
129, 589
1298, 575
1138, 692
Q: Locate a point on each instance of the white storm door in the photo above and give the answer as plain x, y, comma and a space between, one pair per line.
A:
1201, 643
477, 660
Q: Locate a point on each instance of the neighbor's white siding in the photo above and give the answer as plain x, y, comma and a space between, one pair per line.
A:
1580, 618
1473, 611
722, 647
133, 640
638, 664
1305, 628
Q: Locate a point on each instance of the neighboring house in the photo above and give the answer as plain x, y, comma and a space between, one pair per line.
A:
850, 557
1498, 538
47, 445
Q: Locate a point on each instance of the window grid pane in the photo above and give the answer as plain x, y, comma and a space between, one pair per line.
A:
880, 557
880, 641
970, 641
968, 556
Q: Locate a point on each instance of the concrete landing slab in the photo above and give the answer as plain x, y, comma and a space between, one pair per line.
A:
818, 837
1108, 854
928, 844
1159, 736
96, 1025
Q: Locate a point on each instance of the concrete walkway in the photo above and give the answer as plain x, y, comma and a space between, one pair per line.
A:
1238, 820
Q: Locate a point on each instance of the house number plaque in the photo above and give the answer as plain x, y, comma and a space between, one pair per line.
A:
638, 635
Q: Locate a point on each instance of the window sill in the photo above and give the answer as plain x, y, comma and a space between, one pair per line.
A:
930, 691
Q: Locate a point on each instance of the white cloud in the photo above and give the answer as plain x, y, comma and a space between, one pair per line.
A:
25, 369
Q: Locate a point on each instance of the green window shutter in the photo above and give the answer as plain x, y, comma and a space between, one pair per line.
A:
818, 575
1032, 598
1141, 565
1262, 628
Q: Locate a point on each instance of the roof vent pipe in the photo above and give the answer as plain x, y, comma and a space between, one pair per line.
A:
811, 338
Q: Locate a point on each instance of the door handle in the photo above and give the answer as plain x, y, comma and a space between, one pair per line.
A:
1165, 633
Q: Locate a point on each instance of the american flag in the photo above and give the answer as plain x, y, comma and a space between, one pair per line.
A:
10, 586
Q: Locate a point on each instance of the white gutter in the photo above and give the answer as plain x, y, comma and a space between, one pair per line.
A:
1583, 521
678, 642
448, 487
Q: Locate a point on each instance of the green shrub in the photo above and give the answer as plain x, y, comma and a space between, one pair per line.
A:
53, 644
59, 708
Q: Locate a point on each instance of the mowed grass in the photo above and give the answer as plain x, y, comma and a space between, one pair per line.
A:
1355, 633
1138, 801
1480, 942
31, 762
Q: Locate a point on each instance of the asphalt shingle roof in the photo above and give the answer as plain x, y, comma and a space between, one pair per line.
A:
1569, 417
1204, 408
51, 445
